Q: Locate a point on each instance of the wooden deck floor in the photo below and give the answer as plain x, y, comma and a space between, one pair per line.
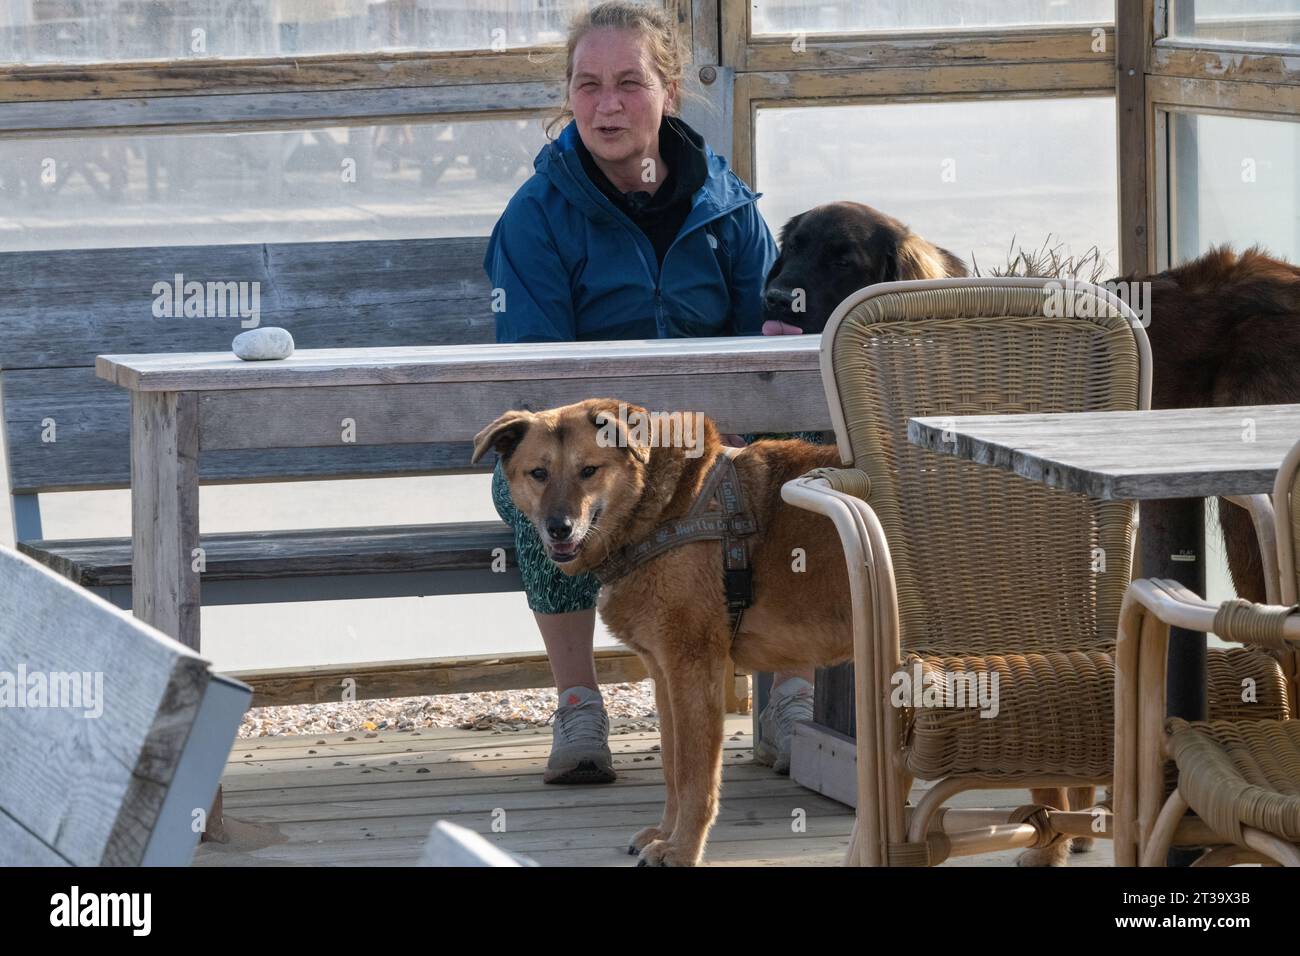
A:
358, 799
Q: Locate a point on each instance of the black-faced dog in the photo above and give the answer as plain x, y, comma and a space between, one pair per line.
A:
831, 251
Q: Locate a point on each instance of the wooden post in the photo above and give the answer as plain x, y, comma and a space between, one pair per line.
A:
165, 525
1132, 40
165, 512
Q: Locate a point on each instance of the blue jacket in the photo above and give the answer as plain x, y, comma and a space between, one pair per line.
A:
571, 266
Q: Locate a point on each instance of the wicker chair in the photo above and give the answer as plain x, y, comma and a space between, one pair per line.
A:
1240, 773
958, 567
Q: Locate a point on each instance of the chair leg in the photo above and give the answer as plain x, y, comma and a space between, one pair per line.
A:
1151, 728
1124, 788
1157, 845
854, 855
1274, 847
1230, 856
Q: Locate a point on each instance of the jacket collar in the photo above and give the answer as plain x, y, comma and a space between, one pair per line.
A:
721, 193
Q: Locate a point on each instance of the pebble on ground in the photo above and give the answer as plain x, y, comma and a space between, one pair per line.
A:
494, 711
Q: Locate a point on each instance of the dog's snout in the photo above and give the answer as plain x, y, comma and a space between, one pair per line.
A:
778, 298
559, 527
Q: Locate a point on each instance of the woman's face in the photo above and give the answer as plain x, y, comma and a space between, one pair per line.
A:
617, 95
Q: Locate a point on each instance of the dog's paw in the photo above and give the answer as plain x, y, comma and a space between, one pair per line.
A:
644, 838
1054, 855
664, 853
1081, 844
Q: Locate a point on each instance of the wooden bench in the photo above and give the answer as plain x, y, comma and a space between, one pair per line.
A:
66, 430
111, 768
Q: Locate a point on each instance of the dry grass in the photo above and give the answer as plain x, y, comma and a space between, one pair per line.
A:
1049, 261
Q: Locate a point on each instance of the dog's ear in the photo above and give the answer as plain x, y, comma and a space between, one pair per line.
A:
625, 430
790, 226
918, 259
502, 435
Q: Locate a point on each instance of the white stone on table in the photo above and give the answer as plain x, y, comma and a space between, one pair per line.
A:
259, 345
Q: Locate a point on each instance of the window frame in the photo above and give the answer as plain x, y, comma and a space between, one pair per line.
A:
1179, 75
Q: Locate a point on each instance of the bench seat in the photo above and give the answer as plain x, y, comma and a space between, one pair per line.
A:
327, 555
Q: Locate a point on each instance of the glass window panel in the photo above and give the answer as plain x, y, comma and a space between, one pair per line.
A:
969, 176
392, 181
1247, 22
861, 16
76, 31
1234, 179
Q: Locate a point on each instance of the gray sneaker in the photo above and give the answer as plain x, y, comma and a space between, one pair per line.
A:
793, 703
580, 742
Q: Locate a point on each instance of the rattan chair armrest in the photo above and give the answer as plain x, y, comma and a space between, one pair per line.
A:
850, 481
1272, 626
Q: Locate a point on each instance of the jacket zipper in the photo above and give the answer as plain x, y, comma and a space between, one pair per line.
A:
638, 236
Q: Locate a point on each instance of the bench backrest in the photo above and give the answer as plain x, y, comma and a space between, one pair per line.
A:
111, 734
67, 430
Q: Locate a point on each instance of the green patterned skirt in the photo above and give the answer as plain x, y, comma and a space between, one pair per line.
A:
548, 589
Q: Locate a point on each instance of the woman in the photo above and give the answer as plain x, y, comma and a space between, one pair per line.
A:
631, 228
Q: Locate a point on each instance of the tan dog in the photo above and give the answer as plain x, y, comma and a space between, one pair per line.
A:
587, 500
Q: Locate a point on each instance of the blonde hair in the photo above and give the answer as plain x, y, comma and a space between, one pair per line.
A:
652, 23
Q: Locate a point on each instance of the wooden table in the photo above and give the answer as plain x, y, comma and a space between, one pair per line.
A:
183, 404
1171, 460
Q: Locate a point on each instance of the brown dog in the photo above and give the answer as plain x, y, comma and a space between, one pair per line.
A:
588, 499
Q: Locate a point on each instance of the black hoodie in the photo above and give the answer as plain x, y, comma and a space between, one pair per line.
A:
659, 216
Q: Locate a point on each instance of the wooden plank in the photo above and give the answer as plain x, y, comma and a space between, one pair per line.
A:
473, 743
245, 555
1193, 59
220, 76
286, 109
327, 294
825, 762
86, 771
547, 808
1167, 453
727, 845
1251, 99
1067, 77
165, 512
422, 365
705, 24
1132, 41
864, 52
546, 826
419, 678
486, 755
738, 402
92, 427
619, 726
373, 788
319, 775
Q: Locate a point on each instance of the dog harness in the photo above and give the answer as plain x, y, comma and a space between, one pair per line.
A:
731, 522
